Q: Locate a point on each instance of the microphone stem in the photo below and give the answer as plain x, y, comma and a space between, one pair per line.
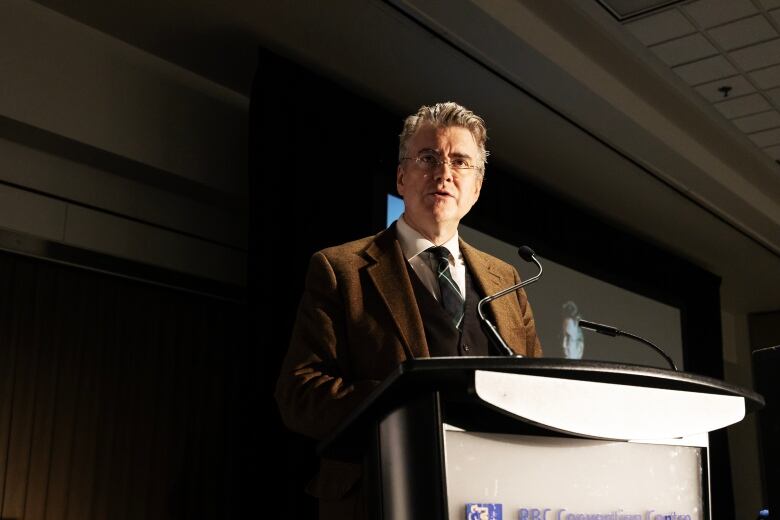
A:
508, 290
493, 331
612, 331
657, 349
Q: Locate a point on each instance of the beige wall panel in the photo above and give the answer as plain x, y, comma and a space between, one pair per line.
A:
31, 213
47, 173
97, 231
64, 77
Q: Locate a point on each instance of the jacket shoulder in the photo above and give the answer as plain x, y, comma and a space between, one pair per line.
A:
350, 251
348, 257
496, 264
347, 249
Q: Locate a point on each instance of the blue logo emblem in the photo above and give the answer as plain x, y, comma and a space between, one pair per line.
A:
483, 511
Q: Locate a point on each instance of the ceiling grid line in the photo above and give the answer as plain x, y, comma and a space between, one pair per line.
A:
743, 72
720, 52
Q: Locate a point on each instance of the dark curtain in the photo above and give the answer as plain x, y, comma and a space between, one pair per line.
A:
117, 398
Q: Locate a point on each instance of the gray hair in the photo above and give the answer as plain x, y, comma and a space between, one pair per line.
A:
443, 115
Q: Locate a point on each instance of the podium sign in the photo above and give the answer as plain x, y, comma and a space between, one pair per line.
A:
553, 478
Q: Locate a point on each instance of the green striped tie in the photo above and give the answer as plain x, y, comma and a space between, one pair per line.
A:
451, 298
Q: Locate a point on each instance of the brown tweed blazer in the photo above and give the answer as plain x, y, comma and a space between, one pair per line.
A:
358, 320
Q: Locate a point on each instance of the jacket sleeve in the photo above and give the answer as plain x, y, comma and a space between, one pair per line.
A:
533, 347
314, 392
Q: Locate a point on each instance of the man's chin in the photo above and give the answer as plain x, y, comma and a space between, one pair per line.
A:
434, 215
444, 214
444, 209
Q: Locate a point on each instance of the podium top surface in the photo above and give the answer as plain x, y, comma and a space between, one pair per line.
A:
456, 376
451, 369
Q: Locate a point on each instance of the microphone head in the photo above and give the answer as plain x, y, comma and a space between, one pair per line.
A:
526, 253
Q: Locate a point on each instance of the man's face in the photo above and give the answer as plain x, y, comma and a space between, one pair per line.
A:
443, 196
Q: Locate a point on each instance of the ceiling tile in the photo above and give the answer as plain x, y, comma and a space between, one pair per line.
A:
774, 152
774, 95
708, 13
767, 78
769, 4
705, 70
743, 106
739, 87
766, 138
744, 32
758, 122
757, 56
685, 49
660, 27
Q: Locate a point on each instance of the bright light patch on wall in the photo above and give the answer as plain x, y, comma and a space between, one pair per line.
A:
395, 206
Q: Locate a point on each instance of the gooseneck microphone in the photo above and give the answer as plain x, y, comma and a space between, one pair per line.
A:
527, 254
612, 331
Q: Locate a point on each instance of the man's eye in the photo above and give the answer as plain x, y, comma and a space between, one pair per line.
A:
461, 163
428, 159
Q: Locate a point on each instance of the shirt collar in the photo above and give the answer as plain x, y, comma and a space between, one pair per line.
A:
413, 243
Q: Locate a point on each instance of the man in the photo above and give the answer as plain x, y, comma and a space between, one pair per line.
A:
373, 303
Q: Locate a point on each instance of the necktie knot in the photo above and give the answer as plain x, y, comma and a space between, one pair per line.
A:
441, 254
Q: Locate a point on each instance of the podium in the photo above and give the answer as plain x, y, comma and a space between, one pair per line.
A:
537, 439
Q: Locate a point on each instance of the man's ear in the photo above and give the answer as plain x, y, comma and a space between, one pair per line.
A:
478, 184
399, 180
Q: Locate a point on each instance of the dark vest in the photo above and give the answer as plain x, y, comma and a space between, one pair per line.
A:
442, 336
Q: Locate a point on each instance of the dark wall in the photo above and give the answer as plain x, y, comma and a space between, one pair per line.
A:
765, 342
764, 329
316, 150
315, 144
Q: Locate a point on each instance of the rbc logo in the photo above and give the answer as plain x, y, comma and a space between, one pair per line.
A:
483, 512
533, 514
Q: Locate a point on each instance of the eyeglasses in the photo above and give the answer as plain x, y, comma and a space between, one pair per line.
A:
429, 162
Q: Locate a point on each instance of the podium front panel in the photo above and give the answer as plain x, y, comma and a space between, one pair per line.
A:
555, 478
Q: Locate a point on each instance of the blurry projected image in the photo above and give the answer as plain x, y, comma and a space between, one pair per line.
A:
573, 342
563, 296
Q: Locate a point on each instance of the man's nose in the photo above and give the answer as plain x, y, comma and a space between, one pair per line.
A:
444, 171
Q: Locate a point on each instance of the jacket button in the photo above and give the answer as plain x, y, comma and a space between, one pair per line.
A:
465, 347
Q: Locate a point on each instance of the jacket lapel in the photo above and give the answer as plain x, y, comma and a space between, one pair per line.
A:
490, 281
391, 279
